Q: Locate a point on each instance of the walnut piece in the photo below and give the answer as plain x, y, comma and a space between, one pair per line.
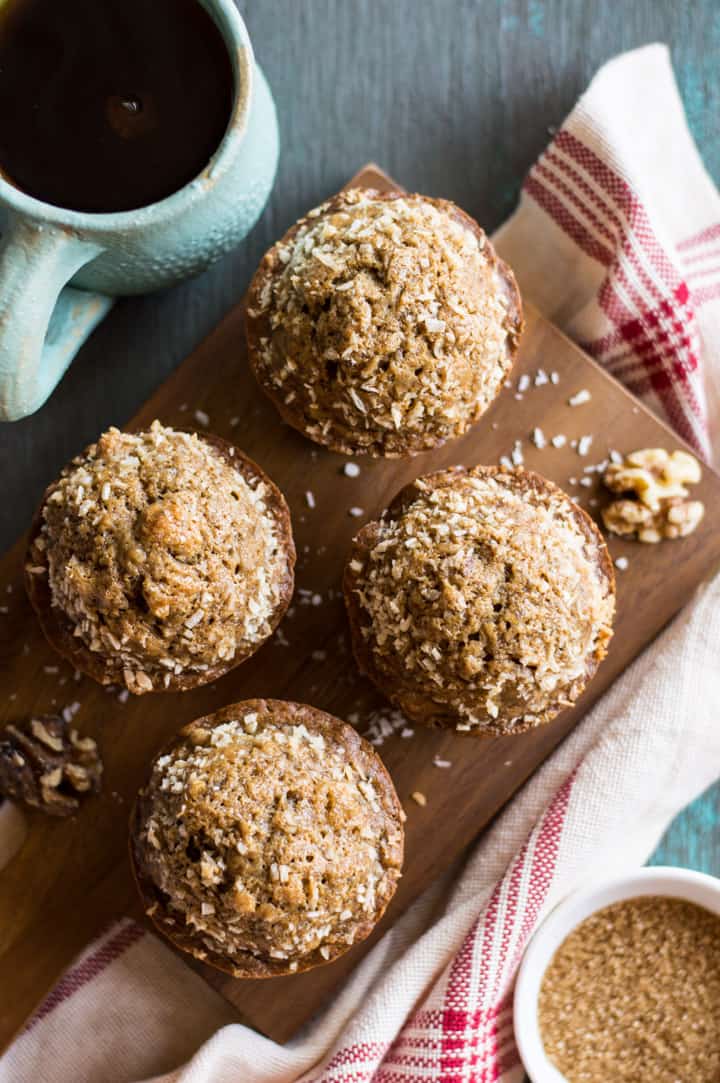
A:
654, 484
47, 764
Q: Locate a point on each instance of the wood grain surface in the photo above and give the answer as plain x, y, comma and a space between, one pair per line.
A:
71, 877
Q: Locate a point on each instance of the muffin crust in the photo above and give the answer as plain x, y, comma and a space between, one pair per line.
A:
161, 559
383, 323
482, 600
268, 839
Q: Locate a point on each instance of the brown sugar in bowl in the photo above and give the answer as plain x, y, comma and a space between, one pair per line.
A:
482, 600
268, 839
650, 980
383, 323
160, 560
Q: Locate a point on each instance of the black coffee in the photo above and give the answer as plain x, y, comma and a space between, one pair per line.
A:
107, 105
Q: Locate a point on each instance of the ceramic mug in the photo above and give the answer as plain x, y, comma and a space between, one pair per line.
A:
44, 321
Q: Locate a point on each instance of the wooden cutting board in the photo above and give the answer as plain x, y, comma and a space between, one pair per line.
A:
72, 877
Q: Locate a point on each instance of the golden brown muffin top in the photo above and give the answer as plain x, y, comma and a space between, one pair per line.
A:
383, 324
274, 832
161, 554
485, 599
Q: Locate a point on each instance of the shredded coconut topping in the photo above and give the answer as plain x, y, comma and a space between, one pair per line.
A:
484, 599
389, 324
270, 834
163, 557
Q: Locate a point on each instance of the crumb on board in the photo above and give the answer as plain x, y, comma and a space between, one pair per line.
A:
419, 798
69, 712
382, 724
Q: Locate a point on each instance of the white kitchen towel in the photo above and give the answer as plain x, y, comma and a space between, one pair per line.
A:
617, 238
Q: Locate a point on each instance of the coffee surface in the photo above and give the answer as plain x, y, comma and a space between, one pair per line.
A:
110, 105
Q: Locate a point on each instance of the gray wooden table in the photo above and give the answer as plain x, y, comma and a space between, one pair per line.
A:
454, 98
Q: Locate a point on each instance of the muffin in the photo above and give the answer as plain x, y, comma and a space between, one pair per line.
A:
383, 323
482, 600
268, 839
160, 559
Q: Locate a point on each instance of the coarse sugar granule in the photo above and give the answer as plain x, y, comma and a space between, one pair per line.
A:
633, 994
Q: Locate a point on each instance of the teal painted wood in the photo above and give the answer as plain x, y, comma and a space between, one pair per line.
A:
693, 839
455, 98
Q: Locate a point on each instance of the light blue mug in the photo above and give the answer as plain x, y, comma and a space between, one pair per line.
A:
44, 321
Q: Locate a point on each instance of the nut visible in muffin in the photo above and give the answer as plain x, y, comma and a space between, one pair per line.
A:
160, 559
482, 600
383, 323
268, 839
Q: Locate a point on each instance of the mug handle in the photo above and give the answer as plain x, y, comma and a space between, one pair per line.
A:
42, 325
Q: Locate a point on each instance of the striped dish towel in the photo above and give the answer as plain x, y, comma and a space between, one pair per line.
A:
617, 239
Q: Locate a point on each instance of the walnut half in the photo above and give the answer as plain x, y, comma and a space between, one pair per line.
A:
654, 505
46, 764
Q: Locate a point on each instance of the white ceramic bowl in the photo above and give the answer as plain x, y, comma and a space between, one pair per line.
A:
695, 887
